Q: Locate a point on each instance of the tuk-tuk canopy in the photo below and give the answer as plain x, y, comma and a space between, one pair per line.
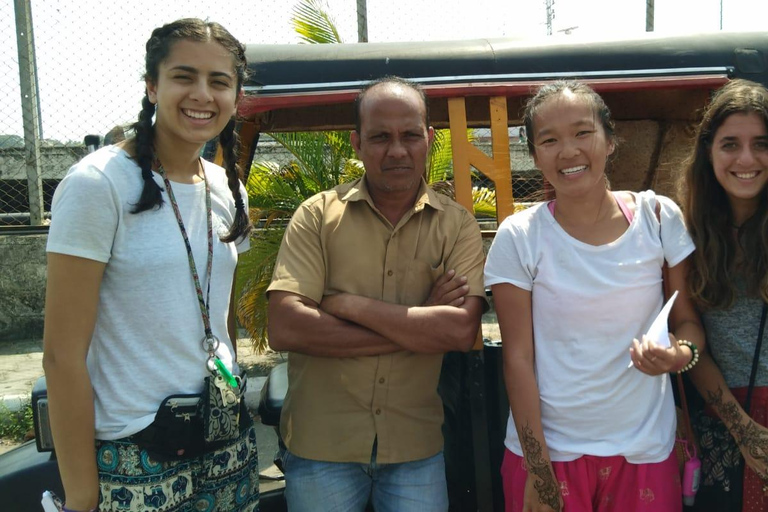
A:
305, 75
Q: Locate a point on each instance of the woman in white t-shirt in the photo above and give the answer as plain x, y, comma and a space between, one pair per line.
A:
142, 250
576, 283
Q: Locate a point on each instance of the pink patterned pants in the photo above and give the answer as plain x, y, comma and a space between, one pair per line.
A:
602, 484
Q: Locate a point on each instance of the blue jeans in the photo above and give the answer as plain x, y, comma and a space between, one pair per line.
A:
317, 486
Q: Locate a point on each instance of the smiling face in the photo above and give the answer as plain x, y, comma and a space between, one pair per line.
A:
195, 93
739, 156
570, 144
393, 141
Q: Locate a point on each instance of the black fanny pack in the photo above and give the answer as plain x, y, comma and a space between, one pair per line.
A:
181, 429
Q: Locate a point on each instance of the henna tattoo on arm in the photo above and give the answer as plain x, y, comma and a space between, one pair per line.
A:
747, 433
539, 466
728, 411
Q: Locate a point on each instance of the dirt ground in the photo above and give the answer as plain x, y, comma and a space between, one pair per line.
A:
255, 364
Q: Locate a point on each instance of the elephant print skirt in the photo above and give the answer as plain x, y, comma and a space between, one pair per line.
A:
223, 480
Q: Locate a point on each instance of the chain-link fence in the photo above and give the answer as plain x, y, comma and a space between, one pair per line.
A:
13, 189
526, 179
71, 68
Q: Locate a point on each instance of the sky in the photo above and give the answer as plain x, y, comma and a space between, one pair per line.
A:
90, 52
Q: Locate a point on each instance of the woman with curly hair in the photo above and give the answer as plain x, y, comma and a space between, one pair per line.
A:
723, 193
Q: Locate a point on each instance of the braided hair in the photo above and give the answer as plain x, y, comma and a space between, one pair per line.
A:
158, 48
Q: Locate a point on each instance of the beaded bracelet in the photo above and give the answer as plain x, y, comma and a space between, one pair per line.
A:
65, 509
694, 354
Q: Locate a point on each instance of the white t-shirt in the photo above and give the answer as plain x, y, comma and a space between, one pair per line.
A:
588, 303
147, 342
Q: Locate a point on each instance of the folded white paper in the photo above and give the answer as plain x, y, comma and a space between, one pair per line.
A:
658, 332
47, 502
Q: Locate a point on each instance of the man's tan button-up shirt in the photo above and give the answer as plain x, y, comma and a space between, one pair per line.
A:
337, 241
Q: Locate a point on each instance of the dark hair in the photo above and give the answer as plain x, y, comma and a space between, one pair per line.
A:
394, 80
158, 48
553, 89
708, 213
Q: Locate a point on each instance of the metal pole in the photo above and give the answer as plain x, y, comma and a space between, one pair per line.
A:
649, 15
362, 21
550, 15
721, 14
30, 108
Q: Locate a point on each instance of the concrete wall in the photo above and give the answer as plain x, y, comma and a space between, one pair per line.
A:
14, 190
22, 286
55, 161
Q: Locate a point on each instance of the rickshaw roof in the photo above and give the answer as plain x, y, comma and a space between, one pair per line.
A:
307, 75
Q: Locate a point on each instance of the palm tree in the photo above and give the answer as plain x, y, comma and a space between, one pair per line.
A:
319, 161
314, 24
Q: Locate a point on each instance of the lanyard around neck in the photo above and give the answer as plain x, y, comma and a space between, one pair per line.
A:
210, 342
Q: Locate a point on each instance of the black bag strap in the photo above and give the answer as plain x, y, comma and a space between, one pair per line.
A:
756, 359
737, 495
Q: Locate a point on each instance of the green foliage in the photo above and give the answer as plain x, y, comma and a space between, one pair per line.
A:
440, 166
313, 23
320, 161
484, 202
254, 272
15, 425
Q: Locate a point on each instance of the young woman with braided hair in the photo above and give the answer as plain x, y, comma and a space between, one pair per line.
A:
144, 142
139, 323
